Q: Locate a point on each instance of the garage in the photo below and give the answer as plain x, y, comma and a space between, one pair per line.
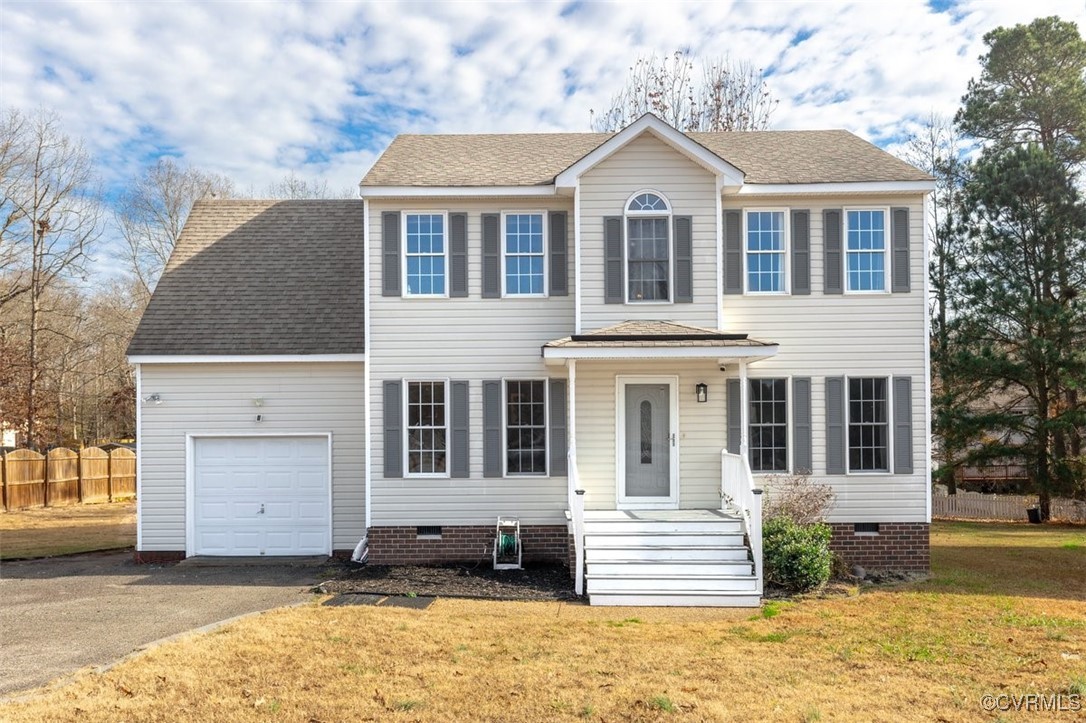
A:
256, 496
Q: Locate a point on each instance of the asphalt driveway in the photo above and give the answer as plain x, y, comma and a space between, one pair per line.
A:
58, 615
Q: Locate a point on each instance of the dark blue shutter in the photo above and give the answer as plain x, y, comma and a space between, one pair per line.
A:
393, 412
801, 425
459, 419
833, 266
390, 253
559, 254
900, 280
559, 428
735, 416
835, 425
903, 425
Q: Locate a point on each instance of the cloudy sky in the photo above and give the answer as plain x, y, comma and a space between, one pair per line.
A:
258, 89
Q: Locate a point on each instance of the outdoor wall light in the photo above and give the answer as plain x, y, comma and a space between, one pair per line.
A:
153, 398
701, 389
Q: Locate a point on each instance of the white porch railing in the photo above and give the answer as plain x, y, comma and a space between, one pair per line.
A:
737, 490
576, 511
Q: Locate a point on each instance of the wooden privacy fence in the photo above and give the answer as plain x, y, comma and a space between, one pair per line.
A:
64, 477
979, 506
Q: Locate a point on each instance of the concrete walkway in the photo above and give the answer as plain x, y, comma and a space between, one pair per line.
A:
58, 615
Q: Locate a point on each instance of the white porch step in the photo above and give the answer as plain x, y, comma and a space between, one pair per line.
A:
662, 539
651, 568
679, 599
660, 582
660, 527
669, 553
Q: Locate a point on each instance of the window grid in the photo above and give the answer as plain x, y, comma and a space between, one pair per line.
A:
765, 251
649, 202
868, 425
427, 429
525, 427
425, 254
524, 253
648, 256
768, 425
866, 250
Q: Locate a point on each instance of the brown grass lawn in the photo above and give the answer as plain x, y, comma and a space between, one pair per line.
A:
63, 530
1005, 612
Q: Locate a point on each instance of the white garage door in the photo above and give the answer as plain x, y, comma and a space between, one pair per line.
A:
261, 496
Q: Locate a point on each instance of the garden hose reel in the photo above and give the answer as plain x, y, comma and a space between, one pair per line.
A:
507, 550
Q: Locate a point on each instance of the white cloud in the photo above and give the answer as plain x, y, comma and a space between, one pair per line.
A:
256, 89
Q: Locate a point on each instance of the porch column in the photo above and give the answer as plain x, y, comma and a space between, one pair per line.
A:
572, 422
744, 407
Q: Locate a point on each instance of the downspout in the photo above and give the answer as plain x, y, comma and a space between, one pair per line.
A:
139, 460
719, 225
361, 550
577, 258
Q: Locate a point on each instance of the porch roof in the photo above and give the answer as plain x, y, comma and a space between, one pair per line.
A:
643, 339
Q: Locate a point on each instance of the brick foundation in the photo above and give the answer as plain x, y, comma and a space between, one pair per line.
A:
901, 546
149, 557
403, 546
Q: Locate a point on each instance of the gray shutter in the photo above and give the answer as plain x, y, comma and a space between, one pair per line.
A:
460, 447
835, 425
801, 252
559, 264
735, 416
903, 425
393, 403
458, 254
899, 250
614, 283
733, 252
684, 260
390, 253
492, 428
559, 428
832, 265
801, 425
492, 279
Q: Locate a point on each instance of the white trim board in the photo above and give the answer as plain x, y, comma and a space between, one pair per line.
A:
750, 353
853, 187
544, 191
243, 358
190, 480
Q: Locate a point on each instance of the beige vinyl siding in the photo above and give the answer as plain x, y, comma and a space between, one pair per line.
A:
218, 398
462, 339
701, 437
877, 334
648, 163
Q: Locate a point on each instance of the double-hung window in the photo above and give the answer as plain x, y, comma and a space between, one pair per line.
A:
427, 428
648, 248
765, 251
868, 424
526, 427
524, 254
425, 253
865, 250
768, 425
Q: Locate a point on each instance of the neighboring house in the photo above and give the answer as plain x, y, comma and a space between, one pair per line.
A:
647, 325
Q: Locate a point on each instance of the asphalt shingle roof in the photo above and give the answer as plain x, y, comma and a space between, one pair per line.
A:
643, 333
532, 159
260, 277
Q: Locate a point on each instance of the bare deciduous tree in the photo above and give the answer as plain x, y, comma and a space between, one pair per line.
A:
728, 96
152, 213
293, 186
52, 216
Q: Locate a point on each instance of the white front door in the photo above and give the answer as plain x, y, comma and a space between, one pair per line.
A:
647, 435
260, 496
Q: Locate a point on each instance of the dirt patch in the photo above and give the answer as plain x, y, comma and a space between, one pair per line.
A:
534, 582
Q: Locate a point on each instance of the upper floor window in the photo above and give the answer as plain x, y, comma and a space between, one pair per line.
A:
765, 251
865, 250
524, 254
648, 248
425, 254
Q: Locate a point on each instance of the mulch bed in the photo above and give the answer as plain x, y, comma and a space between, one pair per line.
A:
534, 582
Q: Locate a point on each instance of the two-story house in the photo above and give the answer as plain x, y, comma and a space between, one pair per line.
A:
617, 339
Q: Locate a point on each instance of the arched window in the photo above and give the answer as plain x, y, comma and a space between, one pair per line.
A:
648, 247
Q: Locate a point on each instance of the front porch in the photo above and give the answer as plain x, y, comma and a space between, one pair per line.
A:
660, 512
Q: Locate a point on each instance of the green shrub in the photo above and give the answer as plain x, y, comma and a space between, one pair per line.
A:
796, 557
